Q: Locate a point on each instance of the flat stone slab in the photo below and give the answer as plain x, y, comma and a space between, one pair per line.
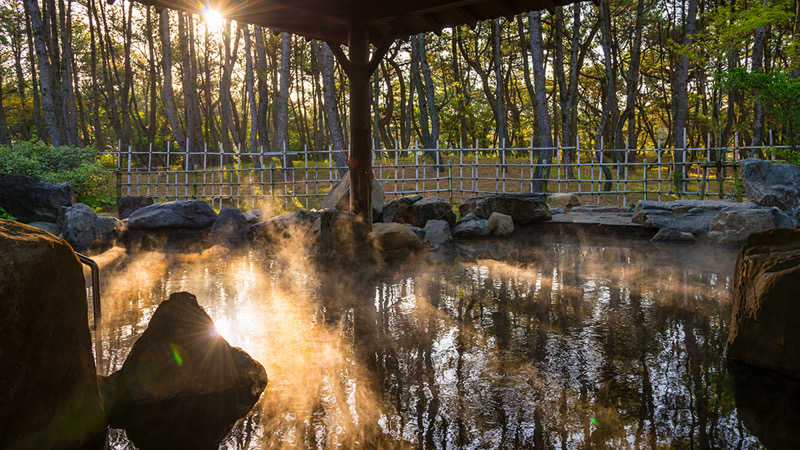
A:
621, 219
612, 223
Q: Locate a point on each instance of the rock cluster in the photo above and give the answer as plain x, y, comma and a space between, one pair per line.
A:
720, 221
524, 209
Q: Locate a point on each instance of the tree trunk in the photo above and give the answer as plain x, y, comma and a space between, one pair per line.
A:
152, 124
498, 75
37, 105
166, 85
98, 130
4, 136
283, 98
263, 88
682, 81
543, 130
632, 82
251, 96
54, 132
331, 110
430, 96
194, 124
225, 100
757, 65
610, 109
416, 84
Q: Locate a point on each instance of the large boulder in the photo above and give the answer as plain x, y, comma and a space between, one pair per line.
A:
691, 216
733, 226
524, 209
127, 205
182, 385
394, 240
339, 197
730, 222
231, 227
49, 396
253, 216
295, 224
50, 227
399, 209
31, 200
192, 214
471, 227
770, 184
83, 229
432, 208
437, 232
563, 200
765, 326
500, 224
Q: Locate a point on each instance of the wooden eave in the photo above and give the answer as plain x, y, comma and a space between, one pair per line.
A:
330, 20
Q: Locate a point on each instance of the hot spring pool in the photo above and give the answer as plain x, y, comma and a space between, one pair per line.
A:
559, 345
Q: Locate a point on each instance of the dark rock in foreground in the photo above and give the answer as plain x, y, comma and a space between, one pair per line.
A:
127, 205
192, 214
49, 396
524, 209
182, 386
767, 403
31, 200
765, 326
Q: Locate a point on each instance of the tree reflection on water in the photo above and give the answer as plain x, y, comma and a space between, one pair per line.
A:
549, 346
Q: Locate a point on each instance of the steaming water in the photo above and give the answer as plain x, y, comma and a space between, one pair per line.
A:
549, 346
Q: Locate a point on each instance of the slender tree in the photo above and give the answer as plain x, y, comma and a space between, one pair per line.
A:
166, 86
46, 75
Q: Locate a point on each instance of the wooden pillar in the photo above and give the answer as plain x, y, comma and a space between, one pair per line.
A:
360, 162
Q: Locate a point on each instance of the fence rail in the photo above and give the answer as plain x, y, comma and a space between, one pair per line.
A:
611, 176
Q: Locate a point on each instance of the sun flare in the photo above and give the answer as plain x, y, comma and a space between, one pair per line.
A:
212, 17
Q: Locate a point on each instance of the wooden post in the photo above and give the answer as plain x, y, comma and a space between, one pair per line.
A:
644, 189
360, 162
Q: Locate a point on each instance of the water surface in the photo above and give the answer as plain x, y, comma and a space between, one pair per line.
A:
515, 345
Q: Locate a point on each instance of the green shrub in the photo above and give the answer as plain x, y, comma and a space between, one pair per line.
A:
789, 155
79, 167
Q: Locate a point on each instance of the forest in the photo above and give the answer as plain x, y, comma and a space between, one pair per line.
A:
613, 74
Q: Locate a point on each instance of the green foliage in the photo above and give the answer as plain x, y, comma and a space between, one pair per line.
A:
778, 93
77, 166
6, 215
790, 155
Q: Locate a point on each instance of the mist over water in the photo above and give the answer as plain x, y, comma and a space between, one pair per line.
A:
563, 345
